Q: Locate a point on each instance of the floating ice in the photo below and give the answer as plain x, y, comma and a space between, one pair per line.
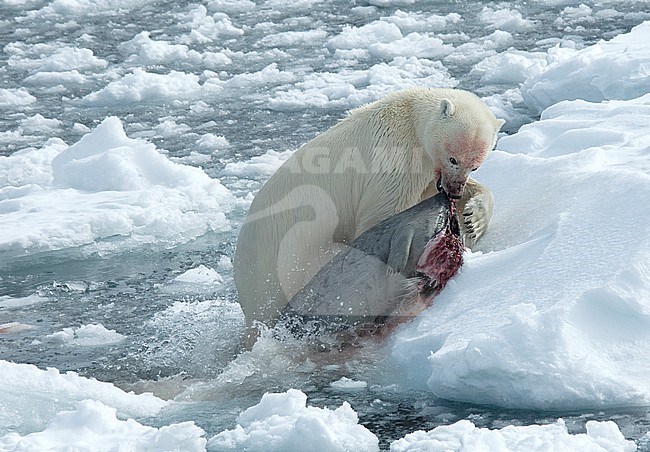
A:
347, 384
261, 166
143, 86
615, 69
8, 302
30, 397
200, 275
353, 88
409, 21
15, 98
14, 327
510, 67
283, 422
105, 185
145, 51
294, 38
207, 27
212, 142
39, 123
86, 336
413, 44
95, 427
505, 19
465, 436
365, 36
52, 58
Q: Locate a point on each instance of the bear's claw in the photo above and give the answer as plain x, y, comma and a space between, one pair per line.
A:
476, 218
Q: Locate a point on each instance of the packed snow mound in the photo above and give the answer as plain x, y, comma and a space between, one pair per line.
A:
105, 186
465, 436
615, 69
553, 311
94, 427
283, 422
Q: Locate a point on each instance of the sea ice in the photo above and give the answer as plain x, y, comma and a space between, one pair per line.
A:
347, 384
95, 427
15, 98
200, 275
105, 185
7, 302
31, 397
143, 86
552, 311
283, 422
86, 336
465, 436
614, 69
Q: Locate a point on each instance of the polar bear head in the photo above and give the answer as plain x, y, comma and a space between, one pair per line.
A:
457, 136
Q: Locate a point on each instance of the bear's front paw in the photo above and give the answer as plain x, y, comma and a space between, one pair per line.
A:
474, 221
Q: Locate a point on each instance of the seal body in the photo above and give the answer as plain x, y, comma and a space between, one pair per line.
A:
388, 275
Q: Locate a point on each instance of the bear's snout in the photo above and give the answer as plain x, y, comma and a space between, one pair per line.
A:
453, 190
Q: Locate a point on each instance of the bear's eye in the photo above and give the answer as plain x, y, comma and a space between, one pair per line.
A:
474, 169
453, 161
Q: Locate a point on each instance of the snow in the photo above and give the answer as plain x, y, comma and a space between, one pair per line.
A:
614, 69
502, 333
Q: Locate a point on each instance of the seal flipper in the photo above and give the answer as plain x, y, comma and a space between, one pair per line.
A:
400, 249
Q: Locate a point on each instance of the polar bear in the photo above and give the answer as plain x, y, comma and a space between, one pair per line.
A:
381, 159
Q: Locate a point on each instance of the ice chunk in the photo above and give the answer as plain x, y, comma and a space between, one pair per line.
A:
95, 427
464, 435
283, 422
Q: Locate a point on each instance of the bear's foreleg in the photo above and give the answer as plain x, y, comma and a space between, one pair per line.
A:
474, 212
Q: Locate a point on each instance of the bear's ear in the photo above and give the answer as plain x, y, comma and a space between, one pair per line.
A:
500, 123
447, 108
